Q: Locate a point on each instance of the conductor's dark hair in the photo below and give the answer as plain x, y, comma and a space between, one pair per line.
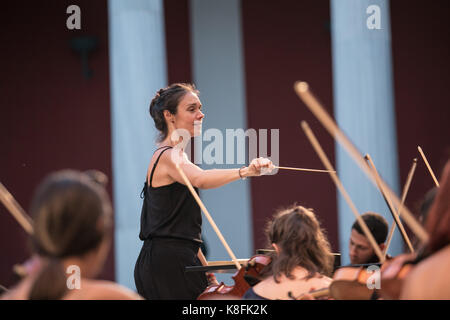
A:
302, 242
72, 215
168, 99
377, 225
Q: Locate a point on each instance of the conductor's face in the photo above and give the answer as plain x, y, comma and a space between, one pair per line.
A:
189, 114
360, 249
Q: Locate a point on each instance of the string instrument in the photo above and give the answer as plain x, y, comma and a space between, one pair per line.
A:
428, 166
393, 273
25, 221
326, 162
304, 93
348, 282
438, 225
394, 213
352, 283
436, 233
15, 209
34, 262
320, 294
433, 237
243, 279
254, 266
404, 193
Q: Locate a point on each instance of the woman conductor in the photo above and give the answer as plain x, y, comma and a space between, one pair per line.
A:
170, 218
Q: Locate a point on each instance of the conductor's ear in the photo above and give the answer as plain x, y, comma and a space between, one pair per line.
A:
168, 116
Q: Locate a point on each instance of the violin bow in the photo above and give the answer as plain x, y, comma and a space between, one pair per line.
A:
15, 209
319, 293
405, 192
312, 139
208, 216
389, 204
302, 90
428, 166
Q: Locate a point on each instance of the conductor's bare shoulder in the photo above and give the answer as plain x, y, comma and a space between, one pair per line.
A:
172, 156
102, 290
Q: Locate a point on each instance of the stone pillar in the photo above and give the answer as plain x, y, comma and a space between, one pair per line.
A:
218, 72
364, 107
137, 70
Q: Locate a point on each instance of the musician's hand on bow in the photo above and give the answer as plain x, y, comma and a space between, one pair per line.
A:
212, 280
307, 296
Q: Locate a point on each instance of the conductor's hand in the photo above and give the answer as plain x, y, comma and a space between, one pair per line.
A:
259, 167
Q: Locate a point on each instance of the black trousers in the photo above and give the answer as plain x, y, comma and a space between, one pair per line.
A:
160, 270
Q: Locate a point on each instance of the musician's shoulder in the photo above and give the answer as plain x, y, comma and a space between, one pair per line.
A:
102, 290
429, 278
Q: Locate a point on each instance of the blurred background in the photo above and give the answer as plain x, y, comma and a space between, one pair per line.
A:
79, 98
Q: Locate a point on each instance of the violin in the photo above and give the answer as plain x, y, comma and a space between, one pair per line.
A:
438, 226
352, 283
349, 283
244, 278
393, 273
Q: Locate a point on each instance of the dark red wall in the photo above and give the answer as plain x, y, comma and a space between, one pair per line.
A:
420, 33
54, 118
285, 41
282, 42
51, 116
178, 40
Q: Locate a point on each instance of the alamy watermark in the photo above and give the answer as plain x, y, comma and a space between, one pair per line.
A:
374, 281
74, 20
374, 20
74, 280
216, 147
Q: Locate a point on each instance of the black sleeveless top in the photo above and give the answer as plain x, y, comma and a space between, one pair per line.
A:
169, 211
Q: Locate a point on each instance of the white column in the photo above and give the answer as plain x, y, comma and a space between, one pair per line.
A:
364, 106
137, 70
218, 72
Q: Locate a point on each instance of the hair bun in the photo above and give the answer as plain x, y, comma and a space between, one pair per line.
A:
158, 94
154, 103
167, 99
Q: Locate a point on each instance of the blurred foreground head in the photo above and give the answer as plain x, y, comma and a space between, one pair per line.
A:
72, 216
438, 219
